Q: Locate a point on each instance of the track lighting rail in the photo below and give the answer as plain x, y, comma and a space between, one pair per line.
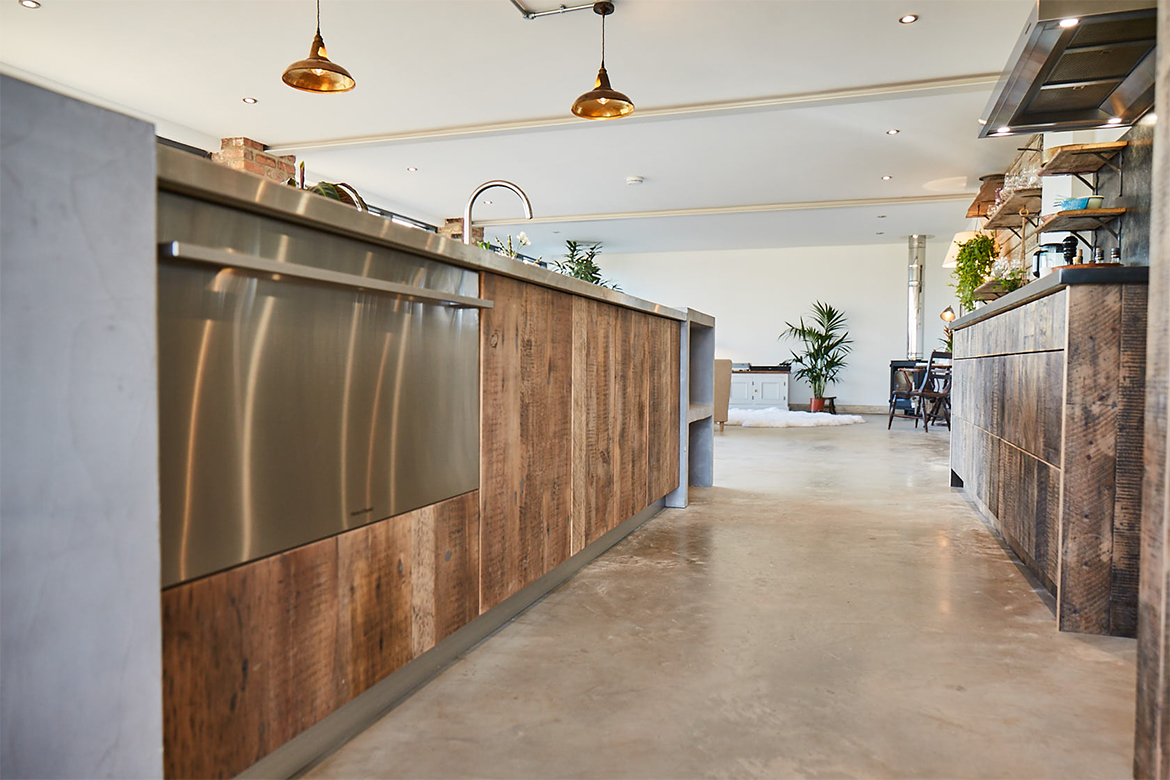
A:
564, 9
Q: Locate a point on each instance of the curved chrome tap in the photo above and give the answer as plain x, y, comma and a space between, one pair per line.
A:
487, 185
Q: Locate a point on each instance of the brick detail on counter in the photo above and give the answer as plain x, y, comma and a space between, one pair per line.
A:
245, 154
453, 229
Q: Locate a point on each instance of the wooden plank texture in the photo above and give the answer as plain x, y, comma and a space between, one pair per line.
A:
1034, 327
632, 389
254, 655
1152, 733
1090, 434
595, 494
663, 422
526, 449
1127, 506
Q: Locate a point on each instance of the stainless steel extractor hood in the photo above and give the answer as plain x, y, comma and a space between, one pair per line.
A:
1078, 64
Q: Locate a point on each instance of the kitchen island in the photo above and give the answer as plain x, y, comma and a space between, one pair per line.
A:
377, 446
1046, 439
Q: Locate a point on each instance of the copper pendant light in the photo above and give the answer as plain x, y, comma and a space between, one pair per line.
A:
603, 101
318, 73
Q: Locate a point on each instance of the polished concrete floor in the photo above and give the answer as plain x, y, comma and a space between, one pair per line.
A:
831, 609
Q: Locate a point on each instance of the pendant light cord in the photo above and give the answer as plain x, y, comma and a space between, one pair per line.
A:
319, 17
602, 39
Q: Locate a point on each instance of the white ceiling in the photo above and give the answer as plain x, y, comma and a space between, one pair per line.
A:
426, 67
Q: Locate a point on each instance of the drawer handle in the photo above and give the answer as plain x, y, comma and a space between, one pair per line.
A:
179, 250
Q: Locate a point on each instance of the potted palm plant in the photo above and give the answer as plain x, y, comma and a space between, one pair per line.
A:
826, 343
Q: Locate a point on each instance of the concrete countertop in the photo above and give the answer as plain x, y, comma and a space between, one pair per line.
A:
1057, 280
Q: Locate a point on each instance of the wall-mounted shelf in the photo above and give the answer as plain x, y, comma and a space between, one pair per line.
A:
1075, 159
986, 197
990, 290
1080, 219
696, 444
1021, 205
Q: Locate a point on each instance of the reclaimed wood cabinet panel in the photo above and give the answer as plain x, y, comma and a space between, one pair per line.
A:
254, 655
662, 474
594, 408
1048, 409
1104, 406
1034, 327
1015, 397
632, 390
526, 358
1020, 491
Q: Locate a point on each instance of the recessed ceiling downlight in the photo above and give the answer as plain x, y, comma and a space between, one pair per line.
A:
893, 131
887, 177
411, 168
249, 100
1069, 22
909, 19
30, 3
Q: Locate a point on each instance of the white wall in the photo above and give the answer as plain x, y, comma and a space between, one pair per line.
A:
752, 292
80, 627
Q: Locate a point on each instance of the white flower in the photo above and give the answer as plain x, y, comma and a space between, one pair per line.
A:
523, 239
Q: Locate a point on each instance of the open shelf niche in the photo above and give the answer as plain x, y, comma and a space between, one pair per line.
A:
697, 402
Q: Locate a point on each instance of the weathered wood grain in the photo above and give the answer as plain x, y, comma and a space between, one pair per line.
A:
374, 570
455, 557
595, 399
218, 648
306, 678
1034, 327
1152, 733
1019, 493
526, 449
254, 655
663, 420
1090, 436
632, 388
1127, 507
1015, 397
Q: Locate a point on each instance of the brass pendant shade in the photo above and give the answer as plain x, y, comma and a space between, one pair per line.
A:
318, 73
603, 101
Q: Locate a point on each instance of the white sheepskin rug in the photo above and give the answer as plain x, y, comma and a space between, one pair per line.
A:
782, 418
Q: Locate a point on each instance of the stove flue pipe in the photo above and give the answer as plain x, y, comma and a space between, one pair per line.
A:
914, 297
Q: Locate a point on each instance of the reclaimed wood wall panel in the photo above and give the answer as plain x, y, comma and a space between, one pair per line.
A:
526, 363
662, 476
254, 655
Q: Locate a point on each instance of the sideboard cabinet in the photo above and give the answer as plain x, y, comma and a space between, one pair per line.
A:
759, 389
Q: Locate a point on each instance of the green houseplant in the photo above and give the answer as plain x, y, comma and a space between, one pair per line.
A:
826, 344
973, 267
581, 263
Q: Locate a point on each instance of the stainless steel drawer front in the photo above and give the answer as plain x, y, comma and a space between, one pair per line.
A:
292, 409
